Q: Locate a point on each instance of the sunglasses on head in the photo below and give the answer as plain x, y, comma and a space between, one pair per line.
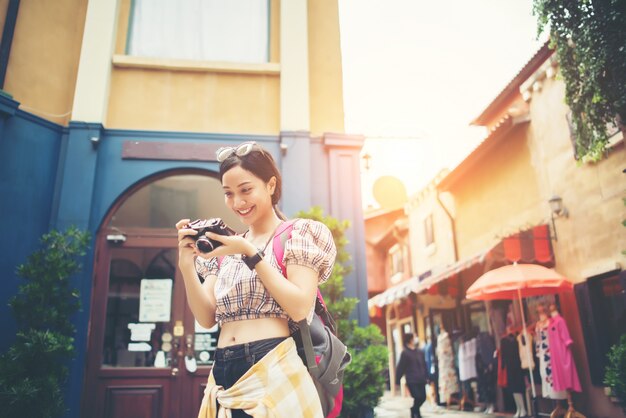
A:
240, 150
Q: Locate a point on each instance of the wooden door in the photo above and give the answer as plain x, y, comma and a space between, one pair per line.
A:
143, 340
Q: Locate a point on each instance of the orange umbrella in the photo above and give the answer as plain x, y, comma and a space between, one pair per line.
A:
514, 282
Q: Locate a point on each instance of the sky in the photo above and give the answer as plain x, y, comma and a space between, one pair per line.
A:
416, 73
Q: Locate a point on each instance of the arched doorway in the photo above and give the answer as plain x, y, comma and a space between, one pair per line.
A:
146, 355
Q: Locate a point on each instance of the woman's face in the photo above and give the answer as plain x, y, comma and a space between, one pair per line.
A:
247, 195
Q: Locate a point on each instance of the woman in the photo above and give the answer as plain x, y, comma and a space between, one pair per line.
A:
246, 294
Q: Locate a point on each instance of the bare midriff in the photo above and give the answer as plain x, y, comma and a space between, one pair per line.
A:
248, 330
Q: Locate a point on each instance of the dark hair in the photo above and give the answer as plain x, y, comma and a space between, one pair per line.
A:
260, 163
408, 338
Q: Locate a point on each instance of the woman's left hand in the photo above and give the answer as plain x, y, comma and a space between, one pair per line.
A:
233, 244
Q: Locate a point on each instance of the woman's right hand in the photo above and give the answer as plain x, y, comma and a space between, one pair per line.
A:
186, 244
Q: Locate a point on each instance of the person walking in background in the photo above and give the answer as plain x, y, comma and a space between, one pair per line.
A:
412, 364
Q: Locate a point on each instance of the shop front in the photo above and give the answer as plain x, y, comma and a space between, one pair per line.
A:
436, 307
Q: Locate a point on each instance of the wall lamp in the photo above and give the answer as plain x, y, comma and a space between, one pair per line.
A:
557, 210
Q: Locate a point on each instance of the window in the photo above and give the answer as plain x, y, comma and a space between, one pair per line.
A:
163, 202
201, 30
602, 306
397, 255
429, 233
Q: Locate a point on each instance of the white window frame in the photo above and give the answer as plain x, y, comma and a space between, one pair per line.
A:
235, 31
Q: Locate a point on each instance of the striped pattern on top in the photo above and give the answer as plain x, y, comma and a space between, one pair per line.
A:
239, 292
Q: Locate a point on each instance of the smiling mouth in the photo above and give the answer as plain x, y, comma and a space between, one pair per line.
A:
245, 212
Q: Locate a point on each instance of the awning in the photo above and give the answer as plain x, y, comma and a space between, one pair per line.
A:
532, 246
450, 271
529, 246
396, 292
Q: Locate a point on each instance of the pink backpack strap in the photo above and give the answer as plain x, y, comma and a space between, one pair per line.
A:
283, 233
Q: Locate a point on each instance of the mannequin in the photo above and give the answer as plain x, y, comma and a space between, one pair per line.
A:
430, 371
545, 361
515, 377
467, 369
448, 382
565, 376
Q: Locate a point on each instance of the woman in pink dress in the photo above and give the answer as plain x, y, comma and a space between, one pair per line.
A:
565, 376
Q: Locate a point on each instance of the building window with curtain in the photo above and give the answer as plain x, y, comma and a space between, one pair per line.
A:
397, 255
200, 30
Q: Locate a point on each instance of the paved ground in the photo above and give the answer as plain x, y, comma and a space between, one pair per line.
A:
398, 407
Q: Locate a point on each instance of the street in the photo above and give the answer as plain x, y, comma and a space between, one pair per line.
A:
398, 407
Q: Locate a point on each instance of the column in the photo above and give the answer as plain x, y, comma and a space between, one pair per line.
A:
344, 185
94, 69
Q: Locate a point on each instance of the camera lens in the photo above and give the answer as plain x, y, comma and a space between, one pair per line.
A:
204, 245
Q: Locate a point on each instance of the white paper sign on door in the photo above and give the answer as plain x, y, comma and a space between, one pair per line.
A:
155, 300
141, 332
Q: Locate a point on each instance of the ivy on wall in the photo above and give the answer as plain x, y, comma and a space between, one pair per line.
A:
590, 42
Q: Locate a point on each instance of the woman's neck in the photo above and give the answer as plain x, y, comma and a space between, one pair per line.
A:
264, 226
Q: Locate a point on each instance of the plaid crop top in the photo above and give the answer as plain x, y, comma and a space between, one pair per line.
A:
239, 292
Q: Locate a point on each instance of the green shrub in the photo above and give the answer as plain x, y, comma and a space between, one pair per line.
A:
33, 371
364, 380
615, 376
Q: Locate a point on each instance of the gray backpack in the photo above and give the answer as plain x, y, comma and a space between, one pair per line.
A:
323, 353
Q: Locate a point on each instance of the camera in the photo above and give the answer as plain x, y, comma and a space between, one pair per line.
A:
215, 225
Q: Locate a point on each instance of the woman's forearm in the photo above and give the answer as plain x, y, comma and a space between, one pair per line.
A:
199, 297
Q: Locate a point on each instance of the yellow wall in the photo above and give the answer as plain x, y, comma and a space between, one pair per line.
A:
592, 237
193, 101
43, 64
325, 69
509, 190
200, 100
498, 197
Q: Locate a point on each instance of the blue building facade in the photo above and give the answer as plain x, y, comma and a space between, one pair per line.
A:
52, 177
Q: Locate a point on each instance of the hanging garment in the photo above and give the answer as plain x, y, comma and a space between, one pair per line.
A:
512, 364
448, 381
486, 367
545, 366
485, 348
430, 360
526, 353
467, 360
563, 366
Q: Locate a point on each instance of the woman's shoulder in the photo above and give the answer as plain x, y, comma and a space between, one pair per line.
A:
305, 225
312, 231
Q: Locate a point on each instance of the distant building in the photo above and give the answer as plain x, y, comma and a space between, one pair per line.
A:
497, 211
